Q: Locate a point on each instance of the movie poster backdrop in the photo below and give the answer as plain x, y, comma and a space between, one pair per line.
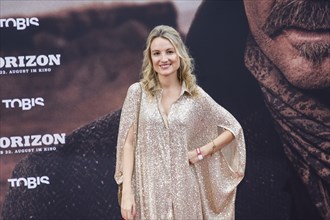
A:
64, 64
65, 67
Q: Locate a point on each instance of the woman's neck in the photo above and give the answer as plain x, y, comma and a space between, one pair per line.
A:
169, 82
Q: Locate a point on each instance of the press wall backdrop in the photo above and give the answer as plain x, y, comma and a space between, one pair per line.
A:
65, 67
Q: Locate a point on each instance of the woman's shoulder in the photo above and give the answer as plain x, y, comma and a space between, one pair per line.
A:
201, 92
203, 97
134, 90
135, 87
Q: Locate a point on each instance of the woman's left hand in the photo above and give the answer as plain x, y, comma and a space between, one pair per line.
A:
192, 156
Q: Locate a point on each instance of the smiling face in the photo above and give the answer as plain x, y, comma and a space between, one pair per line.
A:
165, 60
295, 36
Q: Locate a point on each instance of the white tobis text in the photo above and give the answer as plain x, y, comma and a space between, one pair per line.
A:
24, 104
19, 23
30, 182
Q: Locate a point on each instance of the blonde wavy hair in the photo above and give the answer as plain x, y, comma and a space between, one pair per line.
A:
149, 78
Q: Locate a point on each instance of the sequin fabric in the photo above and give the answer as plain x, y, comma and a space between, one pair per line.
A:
166, 186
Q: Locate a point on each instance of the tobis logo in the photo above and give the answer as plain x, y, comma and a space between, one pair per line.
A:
19, 23
24, 104
30, 182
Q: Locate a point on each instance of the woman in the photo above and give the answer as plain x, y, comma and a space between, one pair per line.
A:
189, 155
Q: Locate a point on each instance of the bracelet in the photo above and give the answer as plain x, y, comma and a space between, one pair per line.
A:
213, 148
199, 154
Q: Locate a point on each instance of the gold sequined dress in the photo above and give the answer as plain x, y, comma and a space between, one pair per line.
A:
166, 186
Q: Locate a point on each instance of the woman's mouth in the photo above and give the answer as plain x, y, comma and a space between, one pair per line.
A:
165, 66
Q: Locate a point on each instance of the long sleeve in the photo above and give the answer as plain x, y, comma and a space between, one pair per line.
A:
234, 153
127, 119
220, 174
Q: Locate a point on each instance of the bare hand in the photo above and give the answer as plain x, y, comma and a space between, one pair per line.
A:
128, 208
192, 156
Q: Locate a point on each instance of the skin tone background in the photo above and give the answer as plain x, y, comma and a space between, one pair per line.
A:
282, 48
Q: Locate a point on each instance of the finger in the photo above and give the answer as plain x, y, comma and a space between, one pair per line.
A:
193, 161
134, 210
129, 215
123, 214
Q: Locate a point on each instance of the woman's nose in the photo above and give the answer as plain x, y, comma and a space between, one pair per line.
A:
163, 58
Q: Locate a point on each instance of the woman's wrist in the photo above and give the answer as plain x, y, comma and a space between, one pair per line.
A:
213, 148
127, 188
208, 149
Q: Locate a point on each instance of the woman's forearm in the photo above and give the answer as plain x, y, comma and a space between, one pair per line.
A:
218, 143
128, 162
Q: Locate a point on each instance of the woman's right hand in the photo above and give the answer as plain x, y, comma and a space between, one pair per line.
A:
128, 210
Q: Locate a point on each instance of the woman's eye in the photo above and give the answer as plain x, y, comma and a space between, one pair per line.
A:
170, 52
155, 53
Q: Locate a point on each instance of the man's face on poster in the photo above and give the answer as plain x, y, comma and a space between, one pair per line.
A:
295, 36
